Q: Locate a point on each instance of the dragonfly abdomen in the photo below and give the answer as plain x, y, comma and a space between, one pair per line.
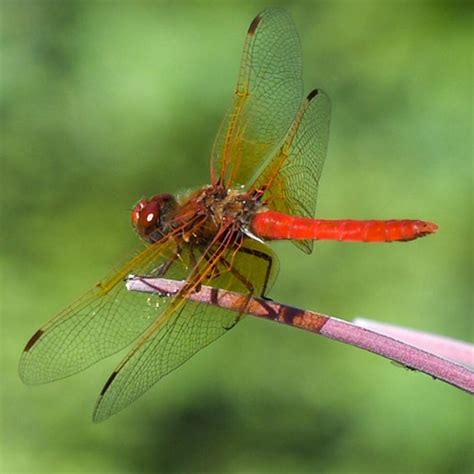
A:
273, 225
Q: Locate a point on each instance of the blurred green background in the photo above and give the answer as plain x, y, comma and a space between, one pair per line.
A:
102, 103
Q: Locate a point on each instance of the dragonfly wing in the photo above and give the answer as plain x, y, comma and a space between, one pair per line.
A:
184, 330
291, 178
105, 320
185, 327
267, 96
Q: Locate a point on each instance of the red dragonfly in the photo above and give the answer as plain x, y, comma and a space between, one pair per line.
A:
265, 169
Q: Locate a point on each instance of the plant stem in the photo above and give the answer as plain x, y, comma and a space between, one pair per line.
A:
368, 339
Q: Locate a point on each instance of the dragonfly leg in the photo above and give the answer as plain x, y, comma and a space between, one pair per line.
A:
269, 262
229, 268
161, 270
194, 265
246, 283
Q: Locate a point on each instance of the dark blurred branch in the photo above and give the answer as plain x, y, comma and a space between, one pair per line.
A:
372, 340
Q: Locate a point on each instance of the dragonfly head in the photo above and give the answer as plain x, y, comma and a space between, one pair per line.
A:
150, 216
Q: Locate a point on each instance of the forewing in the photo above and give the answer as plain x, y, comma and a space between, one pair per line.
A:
291, 178
267, 96
105, 320
185, 327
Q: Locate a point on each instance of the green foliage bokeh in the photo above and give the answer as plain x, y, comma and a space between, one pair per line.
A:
102, 103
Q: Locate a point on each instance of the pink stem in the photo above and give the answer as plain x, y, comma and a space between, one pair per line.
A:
333, 328
458, 351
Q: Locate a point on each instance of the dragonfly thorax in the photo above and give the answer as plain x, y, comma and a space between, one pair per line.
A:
230, 209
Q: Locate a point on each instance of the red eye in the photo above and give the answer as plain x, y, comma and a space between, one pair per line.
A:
149, 214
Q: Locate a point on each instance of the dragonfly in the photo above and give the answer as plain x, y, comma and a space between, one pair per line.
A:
265, 168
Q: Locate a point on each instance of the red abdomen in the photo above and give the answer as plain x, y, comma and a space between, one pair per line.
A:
273, 225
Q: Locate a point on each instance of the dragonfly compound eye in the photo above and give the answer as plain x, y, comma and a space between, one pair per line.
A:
149, 215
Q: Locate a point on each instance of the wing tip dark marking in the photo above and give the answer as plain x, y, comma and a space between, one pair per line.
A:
253, 26
107, 384
33, 340
313, 94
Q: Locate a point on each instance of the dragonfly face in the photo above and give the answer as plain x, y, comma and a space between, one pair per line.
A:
150, 216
